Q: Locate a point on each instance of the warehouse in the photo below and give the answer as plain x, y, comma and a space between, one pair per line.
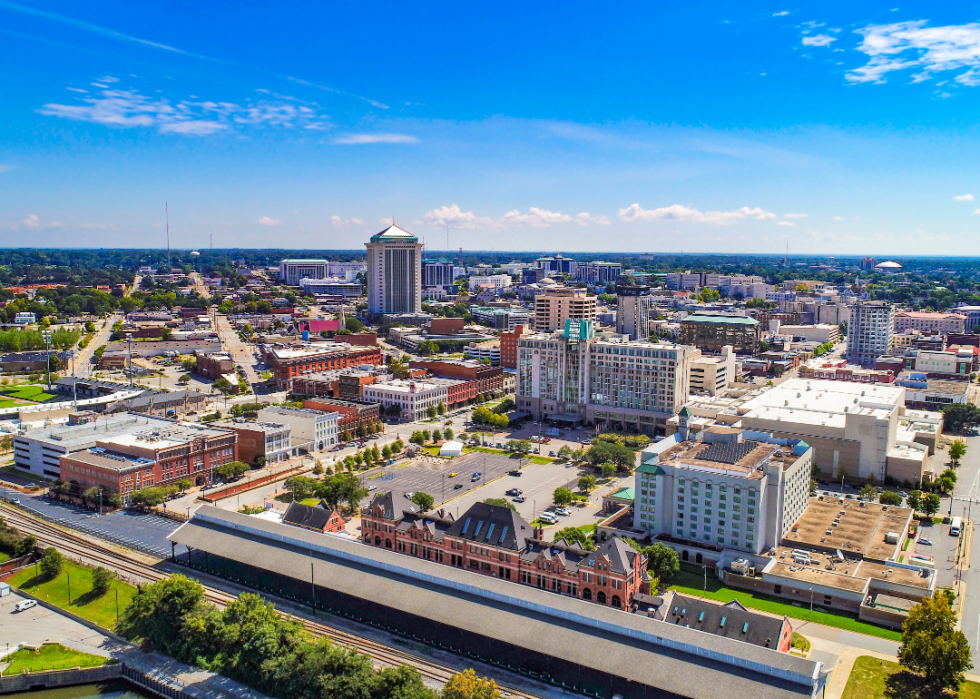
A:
568, 642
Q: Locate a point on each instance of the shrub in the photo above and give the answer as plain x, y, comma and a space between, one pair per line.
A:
101, 580
52, 563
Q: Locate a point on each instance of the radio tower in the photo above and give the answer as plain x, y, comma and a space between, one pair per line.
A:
169, 267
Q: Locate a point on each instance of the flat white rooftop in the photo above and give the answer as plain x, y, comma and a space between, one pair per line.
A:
831, 397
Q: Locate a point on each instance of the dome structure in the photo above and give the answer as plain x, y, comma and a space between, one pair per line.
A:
888, 265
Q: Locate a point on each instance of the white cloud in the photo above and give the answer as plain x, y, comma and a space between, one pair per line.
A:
681, 213
819, 40
838, 218
535, 217
338, 222
7, 168
108, 79
977, 212
780, 14
903, 45
785, 223
963, 197
266, 221
31, 221
129, 109
357, 139
77, 89
794, 216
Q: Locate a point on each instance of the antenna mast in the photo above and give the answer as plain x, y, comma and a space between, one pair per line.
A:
169, 266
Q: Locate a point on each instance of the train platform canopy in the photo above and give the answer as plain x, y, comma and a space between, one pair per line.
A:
671, 658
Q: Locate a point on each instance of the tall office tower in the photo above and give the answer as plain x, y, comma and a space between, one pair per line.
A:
870, 331
394, 278
633, 311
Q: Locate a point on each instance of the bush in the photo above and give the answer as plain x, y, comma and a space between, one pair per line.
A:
101, 580
601, 452
631, 441
52, 563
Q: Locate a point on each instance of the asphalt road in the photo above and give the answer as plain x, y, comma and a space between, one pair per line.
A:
967, 493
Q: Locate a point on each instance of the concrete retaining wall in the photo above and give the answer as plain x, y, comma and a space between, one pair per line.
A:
59, 678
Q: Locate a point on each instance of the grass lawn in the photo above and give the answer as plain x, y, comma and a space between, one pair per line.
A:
587, 528
7, 403
4, 557
690, 581
312, 502
33, 392
541, 460
872, 677
52, 656
101, 610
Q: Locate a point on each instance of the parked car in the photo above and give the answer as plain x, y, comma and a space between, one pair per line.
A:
562, 512
925, 542
24, 605
552, 453
372, 487
409, 496
519, 498
514, 491
548, 518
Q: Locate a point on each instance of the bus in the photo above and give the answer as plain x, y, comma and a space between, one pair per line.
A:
954, 527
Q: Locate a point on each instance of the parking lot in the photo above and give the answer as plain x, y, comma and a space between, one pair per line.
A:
941, 552
432, 476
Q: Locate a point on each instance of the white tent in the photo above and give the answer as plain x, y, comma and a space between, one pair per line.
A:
451, 448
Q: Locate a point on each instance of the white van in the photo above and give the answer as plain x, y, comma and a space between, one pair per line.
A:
548, 518
25, 604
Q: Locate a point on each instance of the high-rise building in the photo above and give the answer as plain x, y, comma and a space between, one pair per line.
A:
291, 271
598, 272
394, 275
633, 311
578, 377
759, 485
870, 331
554, 307
556, 265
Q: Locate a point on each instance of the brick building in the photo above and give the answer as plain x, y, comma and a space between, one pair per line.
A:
318, 518
269, 440
214, 364
158, 455
508, 346
352, 413
498, 542
291, 362
446, 326
458, 391
490, 378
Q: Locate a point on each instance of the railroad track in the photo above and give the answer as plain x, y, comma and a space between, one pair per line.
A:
88, 548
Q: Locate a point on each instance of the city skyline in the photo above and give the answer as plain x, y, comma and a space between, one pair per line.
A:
839, 130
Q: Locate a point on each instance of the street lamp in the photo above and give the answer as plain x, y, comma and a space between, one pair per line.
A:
47, 348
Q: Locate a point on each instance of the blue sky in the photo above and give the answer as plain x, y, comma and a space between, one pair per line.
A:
694, 127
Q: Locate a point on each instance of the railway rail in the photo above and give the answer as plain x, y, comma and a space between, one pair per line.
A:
135, 569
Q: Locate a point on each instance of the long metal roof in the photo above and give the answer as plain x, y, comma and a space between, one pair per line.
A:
673, 658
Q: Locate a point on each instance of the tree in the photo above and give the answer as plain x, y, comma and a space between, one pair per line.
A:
930, 505
448, 433
441, 409
608, 470
914, 500
92, 495
519, 446
52, 563
869, 493
619, 454
500, 502
301, 487
184, 379
386, 452
565, 453
183, 484
399, 367
946, 484
959, 417
813, 487
431, 411
586, 483
662, 561
101, 580
890, 497
424, 501
232, 469
574, 535
222, 384
950, 474
467, 685
562, 496
417, 438
426, 435
931, 645
957, 450
436, 436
